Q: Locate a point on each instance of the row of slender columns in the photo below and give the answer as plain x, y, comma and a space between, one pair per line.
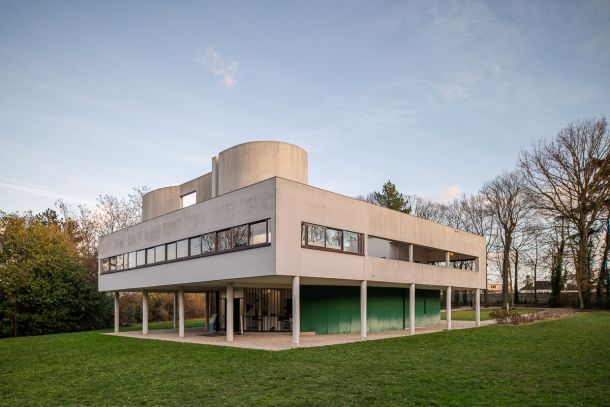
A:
296, 312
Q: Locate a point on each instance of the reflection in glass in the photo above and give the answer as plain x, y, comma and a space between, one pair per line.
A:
150, 255
350, 242
182, 248
171, 251
224, 240
258, 233
141, 257
160, 253
240, 235
315, 235
132, 260
208, 242
333, 239
196, 246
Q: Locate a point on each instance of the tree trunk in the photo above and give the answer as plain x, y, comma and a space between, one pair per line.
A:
516, 282
582, 267
506, 267
535, 277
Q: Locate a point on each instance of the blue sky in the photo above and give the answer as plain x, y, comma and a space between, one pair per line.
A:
97, 97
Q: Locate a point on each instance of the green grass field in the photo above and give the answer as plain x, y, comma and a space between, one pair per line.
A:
468, 315
559, 362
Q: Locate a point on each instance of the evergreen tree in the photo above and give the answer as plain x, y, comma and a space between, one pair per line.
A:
390, 198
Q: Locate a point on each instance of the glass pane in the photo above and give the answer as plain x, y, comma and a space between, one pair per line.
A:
258, 233
105, 265
240, 235
303, 234
208, 242
350, 242
183, 248
132, 260
315, 235
141, 257
224, 240
126, 261
150, 256
189, 199
195, 246
112, 263
171, 251
160, 253
119, 262
333, 239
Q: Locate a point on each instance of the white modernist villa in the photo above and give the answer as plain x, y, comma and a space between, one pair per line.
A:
273, 253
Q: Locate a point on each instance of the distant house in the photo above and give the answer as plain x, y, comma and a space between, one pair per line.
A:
494, 287
544, 287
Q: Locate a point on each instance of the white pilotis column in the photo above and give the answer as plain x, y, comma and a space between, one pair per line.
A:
448, 303
229, 320
412, 309
175, 296
116, 311
411, 253
363, 311
448, 259
477, 312
181, 314
144, 312
296, 310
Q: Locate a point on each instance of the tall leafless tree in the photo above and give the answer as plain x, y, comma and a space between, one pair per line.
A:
508, 205
568, 178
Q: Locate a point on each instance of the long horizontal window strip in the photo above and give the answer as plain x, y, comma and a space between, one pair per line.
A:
331, 239
249, 235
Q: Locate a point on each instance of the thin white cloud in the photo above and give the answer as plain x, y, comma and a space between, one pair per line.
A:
447, 195
33, 189
226, 71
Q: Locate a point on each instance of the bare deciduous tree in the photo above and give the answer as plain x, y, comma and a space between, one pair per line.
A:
568, 178
508, 205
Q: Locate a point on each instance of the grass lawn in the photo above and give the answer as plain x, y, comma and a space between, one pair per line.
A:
559, 362
468, 315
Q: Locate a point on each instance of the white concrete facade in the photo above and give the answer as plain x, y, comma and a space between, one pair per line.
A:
411, 248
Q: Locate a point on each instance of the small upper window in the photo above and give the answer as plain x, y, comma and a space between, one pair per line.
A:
189, 199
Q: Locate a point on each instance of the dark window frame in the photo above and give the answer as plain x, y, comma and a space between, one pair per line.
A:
190, 255
305, 229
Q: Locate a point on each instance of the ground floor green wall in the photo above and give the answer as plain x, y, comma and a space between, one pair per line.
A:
336, 309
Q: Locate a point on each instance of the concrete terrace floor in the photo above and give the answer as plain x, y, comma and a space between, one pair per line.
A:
276, 341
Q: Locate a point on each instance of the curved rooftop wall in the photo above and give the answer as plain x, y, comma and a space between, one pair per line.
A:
234, 168
168, 199
248, 163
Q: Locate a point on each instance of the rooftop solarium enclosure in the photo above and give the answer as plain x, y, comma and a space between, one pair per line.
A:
233, 168
272, 253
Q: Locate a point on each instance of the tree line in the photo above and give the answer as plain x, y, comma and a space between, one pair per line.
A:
49, 270
547, 218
